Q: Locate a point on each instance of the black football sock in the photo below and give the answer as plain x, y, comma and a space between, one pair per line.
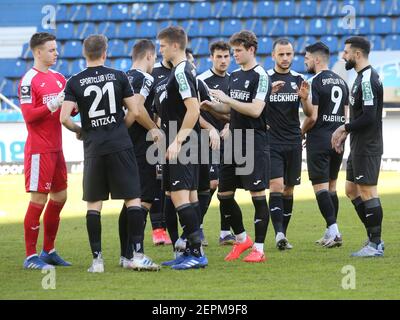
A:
93, 225
261, 218
156, 213
326, 206
171, 219
123, 232
287, 211
204, 201
373, 219
335, 201
276, 210
190, 225
358, 204
231, 210
135, 217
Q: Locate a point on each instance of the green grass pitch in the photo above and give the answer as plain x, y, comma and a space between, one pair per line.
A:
306, 272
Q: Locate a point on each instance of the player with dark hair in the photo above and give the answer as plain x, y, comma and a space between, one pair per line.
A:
249, 88
180, 108
41, 94
366, 143
143, 59
216, 77
110, 165
329, 98
285, 137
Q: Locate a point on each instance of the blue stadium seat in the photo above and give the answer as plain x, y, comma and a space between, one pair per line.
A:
356, 4
317, 27
392, 7
127, 30
147, 29
77, 13
78, 65
231, 26
61, 13
392, 42
62, 67
332, 43
15, 69
268, 63
296, 27
140, 11
397, 25
223, 9
303, 42
72, 49
119, 12
244, 9
275, 27
383, 25
308, 8
108, 29
233, 66
286, 8
376, 42
199, 46
201, 10
210, 28
7, 88
65, 31
26, 52
298, 64
160, 11
98, 12
338, 28
181, 10
192, 27
122, 64
372, 8
330, 8
116, 48
364, 26
265, 9
167, 23
255, 25
265, 45
85, 29
203, 64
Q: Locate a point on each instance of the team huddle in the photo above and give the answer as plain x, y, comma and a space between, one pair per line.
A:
164, 140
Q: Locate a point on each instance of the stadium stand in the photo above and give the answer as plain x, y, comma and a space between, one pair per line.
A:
303, 21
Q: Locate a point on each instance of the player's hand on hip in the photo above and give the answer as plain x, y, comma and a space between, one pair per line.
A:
277, 85
173, 150
219, 95
215, 139
304, 90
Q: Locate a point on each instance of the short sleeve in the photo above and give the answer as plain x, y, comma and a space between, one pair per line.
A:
147, 84
186, 84
127, 90
263, 87
314, 92
203, 90
69, 92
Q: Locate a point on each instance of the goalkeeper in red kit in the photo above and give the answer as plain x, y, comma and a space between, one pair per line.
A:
41, 94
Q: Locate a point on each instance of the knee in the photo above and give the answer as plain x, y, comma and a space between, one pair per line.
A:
39, 198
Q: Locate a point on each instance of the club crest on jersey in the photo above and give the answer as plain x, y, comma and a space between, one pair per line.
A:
294, 85
59, 84
246, 84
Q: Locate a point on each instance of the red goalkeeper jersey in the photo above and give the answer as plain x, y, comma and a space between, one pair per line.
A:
35, 89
